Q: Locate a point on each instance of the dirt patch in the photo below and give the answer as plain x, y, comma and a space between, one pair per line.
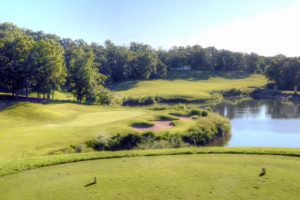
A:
158, 126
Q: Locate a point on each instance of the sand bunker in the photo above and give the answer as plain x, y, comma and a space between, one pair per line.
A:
158, 126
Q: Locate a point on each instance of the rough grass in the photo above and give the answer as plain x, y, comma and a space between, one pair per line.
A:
186, 176
189, 89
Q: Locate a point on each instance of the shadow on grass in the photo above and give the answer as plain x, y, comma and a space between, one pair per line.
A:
92, 183
123, 86
194, 75
8, 101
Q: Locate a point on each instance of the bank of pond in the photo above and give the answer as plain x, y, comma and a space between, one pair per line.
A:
197, 127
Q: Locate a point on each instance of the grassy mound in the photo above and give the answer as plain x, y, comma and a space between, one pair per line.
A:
186, 89
29, 129
161, 177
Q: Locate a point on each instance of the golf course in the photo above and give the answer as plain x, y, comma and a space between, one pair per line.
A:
121, 119
189, 85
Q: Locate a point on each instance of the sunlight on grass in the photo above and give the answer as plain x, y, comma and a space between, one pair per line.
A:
194, 89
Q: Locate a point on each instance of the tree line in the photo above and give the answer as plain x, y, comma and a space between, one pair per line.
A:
42, 63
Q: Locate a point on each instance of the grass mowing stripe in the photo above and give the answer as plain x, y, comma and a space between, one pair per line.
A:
15, 166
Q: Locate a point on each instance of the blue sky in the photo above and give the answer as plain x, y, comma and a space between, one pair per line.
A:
162, 23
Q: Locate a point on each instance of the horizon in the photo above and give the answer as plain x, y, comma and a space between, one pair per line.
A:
233, 25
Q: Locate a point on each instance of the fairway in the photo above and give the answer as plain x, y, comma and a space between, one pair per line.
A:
212, 176
187, 89
29, 129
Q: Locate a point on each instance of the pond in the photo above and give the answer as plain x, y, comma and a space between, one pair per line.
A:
262, 123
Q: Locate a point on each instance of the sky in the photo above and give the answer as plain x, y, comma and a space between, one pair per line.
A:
267, 27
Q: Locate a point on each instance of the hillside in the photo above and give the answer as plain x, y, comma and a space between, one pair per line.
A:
189, 85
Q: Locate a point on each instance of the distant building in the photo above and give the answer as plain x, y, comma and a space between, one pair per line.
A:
182, 68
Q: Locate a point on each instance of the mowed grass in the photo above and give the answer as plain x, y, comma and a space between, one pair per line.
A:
197, 176
187, 89
28, 129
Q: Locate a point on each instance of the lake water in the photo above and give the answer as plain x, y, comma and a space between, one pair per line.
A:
262, 123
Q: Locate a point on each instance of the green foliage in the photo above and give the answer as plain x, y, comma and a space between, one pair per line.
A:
285, 72
104, 96
84, 77
195, 112
15, 47
139, 101
166, 117
47, 62
142, 123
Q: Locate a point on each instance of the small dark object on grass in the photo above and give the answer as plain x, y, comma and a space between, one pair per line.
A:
263, 172
92, 183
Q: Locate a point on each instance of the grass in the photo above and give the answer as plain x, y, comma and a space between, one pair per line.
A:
8, 167
185, 88
29, 129
189, 174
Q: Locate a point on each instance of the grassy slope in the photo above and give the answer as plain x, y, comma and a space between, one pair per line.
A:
35, 129
183, 87
29, 129
161, 177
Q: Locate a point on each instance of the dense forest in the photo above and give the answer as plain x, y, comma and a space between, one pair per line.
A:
42, 63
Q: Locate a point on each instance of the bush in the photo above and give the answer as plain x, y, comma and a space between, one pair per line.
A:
124, 142
196, 136
195, 112
204, 113
100, 144
234, 92
198, 112
179, 106
142, 123
104, 97
139, 101
166, 117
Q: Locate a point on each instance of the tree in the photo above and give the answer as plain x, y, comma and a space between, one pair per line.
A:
15, 47
47, 62
142, 66
285, 72
84, 77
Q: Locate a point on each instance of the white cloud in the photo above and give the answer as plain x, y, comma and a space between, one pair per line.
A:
268, 34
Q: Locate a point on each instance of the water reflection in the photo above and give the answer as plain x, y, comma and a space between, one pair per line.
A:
263, 123
259, 109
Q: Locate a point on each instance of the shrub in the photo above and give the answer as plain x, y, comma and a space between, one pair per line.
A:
195, 112
196, 136
179, 106
204, 113
104, 97
167, 117
139, 101
234, 92
100, 144
124, 142
178, 113
142, 123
